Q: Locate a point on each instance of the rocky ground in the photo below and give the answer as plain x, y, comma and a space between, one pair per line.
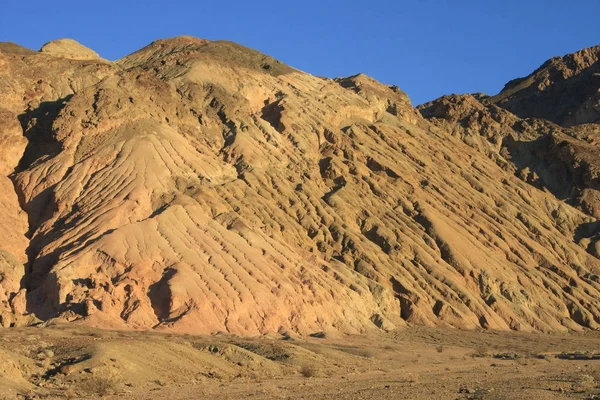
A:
414, 363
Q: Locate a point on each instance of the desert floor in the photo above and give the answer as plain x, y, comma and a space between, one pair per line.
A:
66, 361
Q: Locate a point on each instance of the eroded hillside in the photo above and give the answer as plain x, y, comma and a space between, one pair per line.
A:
204, 187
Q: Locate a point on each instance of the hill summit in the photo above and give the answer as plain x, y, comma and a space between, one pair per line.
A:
69, 48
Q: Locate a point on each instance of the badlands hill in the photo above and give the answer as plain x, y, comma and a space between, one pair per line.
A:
204, 187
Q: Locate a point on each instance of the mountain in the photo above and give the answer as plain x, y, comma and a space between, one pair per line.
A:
564, 90
204, 187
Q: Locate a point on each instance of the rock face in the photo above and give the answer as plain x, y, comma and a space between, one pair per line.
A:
204, 187
31, 86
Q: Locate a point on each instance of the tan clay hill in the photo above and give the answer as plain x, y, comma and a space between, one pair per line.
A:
204, 187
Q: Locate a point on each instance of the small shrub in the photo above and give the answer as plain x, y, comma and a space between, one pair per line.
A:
439, 349
70, 393
365, 353
308, 371
507, 356
480, 352
584, 383
273, 352
99, 385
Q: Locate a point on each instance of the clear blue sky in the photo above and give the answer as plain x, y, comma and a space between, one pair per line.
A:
427, 47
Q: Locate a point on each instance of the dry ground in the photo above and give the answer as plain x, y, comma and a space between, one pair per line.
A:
415, 363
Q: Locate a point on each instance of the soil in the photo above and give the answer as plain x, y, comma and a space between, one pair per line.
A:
66, 361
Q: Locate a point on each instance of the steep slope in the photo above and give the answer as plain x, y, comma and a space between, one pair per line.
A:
204, 187
32, 88
563, 161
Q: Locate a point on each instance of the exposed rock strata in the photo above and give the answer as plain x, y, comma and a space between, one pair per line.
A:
204, 187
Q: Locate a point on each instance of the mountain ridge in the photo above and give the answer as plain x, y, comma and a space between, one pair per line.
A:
204, 187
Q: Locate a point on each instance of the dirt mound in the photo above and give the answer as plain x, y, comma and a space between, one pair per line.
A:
205, 187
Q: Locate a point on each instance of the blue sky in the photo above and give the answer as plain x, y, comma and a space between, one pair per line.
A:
426, 47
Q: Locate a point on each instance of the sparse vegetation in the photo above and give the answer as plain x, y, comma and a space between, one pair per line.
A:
99, 385
361, 352
584, 383
273, 352
480, 352
83, 366
308, 371
579, 355
506, 356
547, 357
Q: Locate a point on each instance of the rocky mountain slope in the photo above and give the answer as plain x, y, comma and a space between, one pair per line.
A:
564, 90
204, 187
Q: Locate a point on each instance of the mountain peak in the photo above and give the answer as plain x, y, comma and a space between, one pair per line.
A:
186, 50
180, 40
573, 78
160, 49
69, 48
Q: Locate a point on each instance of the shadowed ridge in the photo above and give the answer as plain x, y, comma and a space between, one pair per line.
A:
517, 127
574, 79
13, 48
159, 49
186, 50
